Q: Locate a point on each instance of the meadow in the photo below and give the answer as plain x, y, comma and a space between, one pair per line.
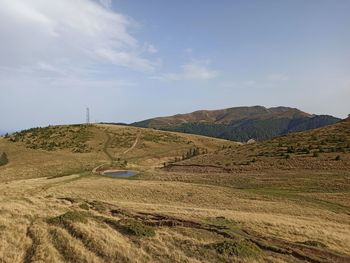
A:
55, 207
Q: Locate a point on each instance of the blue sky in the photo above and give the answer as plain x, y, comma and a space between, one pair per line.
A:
130, 60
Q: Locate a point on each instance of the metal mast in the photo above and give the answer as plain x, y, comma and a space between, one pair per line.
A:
87, 116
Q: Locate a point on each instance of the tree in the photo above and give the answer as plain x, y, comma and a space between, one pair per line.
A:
3, 159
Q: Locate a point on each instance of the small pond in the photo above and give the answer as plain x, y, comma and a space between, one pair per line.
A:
127, 173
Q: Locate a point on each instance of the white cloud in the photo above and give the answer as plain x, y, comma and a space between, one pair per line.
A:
67, 36
195, 70
277, 77
150, 48
106, 3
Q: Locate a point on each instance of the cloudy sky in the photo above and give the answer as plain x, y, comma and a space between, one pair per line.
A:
129, 60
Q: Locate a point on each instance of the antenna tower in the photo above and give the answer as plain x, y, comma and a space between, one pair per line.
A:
87, 116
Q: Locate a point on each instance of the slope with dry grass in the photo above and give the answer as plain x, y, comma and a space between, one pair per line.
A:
64, 150
326, 148
163, 216
84, 218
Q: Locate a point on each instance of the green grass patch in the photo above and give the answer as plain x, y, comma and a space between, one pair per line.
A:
71, 216
139, 229
238, 248
53, 138
3, 159
84, 206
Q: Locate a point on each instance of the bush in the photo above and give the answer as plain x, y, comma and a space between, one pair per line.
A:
337, 158
71, 216
290, 149
137, 228
315, 154
3, 159
306, 150
84, 206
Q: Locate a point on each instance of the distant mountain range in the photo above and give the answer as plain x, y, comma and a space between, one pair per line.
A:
240, 123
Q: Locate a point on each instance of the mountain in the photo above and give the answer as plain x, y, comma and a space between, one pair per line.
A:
240, 123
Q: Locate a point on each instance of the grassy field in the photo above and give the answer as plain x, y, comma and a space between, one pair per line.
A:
326, 148
54, 209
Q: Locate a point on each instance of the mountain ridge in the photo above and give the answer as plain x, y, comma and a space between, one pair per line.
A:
240, 123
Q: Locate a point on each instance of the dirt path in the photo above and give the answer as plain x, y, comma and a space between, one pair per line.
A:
106, 145
110, 157
134, 144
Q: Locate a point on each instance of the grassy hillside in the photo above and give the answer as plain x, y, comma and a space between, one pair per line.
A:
60, 150
241, 123
323, 148
55, 209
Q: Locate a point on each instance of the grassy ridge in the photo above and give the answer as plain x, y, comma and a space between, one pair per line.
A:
324, 148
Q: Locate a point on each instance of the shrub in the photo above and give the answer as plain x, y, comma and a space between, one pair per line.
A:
290, 149
315, 154
306, 150
137, 228
337, 158
71, 216
84, 206
191, 153
3, 159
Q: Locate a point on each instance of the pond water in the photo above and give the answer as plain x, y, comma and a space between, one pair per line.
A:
120, 173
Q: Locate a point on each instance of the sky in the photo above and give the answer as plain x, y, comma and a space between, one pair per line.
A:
129, 60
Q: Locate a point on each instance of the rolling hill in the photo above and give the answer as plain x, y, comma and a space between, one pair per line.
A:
56, 206
240, 123
325, 148
59, 150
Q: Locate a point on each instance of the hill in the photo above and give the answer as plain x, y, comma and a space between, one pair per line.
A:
323, 148
240, 123
56, 206
59, 150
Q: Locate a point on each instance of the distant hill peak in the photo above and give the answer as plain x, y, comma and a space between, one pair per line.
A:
240, 123
228, 115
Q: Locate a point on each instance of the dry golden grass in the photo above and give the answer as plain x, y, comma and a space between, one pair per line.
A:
179, 217
325, 148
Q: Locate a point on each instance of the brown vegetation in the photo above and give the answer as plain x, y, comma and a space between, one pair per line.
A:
53, 209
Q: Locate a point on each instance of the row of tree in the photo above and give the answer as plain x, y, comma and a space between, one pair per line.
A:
187, 155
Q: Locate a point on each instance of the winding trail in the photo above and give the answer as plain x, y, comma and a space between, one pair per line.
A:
106, 145
134, 144
110, 157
